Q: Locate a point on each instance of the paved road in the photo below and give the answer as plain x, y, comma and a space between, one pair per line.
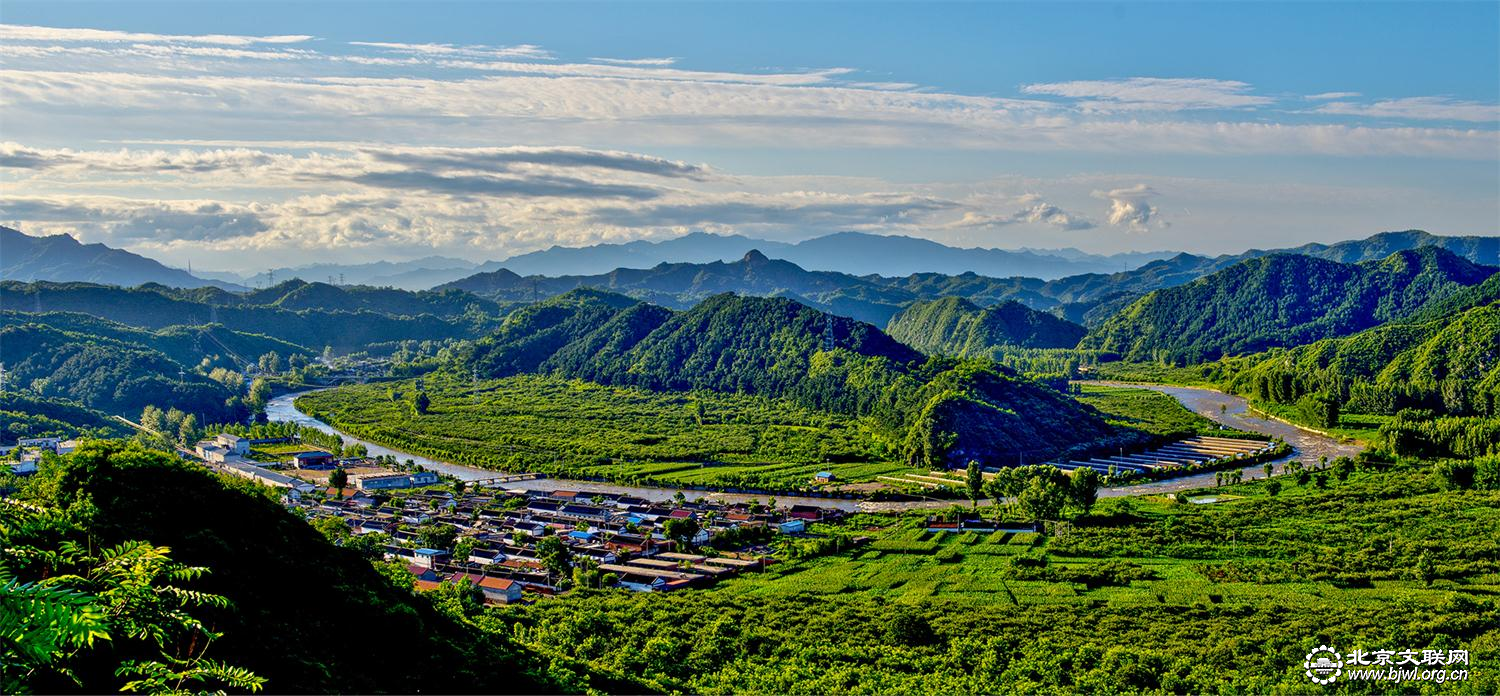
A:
1307, 446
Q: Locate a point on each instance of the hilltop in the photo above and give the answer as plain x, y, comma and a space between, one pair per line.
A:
958, 327
1281, 300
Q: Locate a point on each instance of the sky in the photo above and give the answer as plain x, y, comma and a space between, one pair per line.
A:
240, 136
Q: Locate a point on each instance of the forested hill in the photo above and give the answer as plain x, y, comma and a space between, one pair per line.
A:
937, 412
303, 614
1281, 300
1449, 365
156, 307
955, 326
110, 374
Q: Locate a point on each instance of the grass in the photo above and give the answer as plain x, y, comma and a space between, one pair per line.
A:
1358, 427
580, 429
1147, 410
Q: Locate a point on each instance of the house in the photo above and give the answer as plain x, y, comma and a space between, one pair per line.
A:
67, 446
823, 477
423, 573
496, 590
47, 443
811, 513
371, 482
316, 459
210, 451
792, 526
235, 444
267, 477
430, 558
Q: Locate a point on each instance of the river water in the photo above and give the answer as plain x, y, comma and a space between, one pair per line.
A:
1232, 411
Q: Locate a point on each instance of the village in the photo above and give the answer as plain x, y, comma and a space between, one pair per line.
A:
509, 541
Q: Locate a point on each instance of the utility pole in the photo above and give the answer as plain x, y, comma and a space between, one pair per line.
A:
270, 277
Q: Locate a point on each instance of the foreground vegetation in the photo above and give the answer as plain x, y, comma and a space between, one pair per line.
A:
123, 564
1142, 595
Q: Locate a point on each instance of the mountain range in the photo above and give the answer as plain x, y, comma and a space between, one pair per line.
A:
1282, 300
60, 257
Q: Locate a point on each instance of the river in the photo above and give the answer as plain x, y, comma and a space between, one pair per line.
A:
1232, 411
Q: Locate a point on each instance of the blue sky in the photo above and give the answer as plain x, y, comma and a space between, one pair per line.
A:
359, 131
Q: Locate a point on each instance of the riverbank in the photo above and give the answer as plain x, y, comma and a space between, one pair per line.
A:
1227, 409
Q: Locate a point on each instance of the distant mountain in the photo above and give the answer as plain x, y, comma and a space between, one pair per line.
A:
955, 326
61, 258
283, 316
417, 274
942, 413
1281, 300
855, 253
863, 254
680, 285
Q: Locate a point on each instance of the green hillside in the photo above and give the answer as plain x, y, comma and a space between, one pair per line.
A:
25, 415
110, 375
941, 412
1281, 300
954, 326
302, 614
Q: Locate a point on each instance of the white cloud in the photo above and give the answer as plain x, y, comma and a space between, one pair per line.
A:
1128, 207
656, 62
1034, 210
15, 32
1153, 94
434, 49
1419, 108
1330, 95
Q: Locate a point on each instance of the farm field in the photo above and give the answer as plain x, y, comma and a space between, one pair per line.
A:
1378, 536
1141, 594
580, 429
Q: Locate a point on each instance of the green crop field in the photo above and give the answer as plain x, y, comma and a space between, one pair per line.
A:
1141, 595
573, 428
1151, 411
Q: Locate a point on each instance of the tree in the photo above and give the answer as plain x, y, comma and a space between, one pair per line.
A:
1273, 487
1083, 489
557, 559
682, 530
1040, 500
260, 393
437, 535
1269, 468
420, 403
333, 527
153, 419
339, 478
187, 433
975, 478
462, 549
